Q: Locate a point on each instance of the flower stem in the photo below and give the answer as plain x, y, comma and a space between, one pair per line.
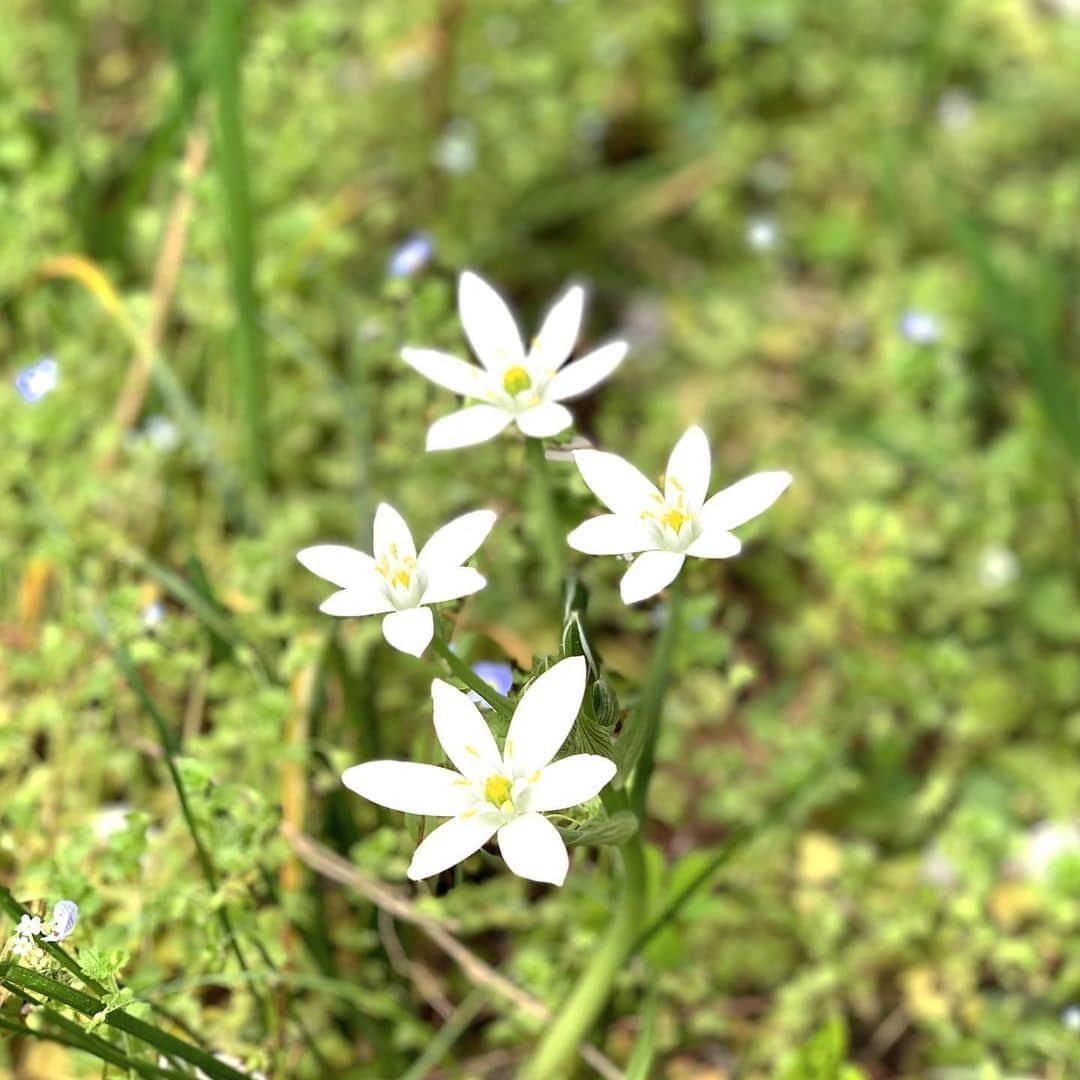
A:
578, 1013
546, 523
502, 705
651, 700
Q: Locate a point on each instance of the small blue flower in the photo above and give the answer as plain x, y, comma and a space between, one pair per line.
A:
38, 380
497, 674
153, 615
920, 328
411, 256
64, 917
1070, 1017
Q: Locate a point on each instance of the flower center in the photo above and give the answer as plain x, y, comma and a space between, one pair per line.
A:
497, 791
395, 570
674, 518
515, 380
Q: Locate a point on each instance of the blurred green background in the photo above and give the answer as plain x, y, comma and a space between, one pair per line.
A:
843, 237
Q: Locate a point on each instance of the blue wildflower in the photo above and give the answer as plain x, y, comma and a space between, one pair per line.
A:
497, 674
920, 328
411, 256
38, 380
64, 917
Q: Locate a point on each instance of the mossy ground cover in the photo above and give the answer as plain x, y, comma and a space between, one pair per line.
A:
840, 237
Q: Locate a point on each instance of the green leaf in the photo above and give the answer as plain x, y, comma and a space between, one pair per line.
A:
615, 829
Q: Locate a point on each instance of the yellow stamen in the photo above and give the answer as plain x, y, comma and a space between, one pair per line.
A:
497, 790
516, 379
674, 519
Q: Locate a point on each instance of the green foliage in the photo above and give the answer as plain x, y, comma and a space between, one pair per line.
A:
866, 769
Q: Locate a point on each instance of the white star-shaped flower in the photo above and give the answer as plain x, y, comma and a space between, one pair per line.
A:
513, 385
397, 581
492, 793
667, 527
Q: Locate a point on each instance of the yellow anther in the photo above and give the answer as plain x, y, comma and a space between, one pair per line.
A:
497, 790
674, 519
516, 379
402, 578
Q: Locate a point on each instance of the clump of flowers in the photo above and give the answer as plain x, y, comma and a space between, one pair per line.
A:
554, 749
31, 929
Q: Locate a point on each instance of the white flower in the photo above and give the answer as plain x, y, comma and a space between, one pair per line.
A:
667, 527
512, 385
493, 793
23, 947
29, 926
398, 581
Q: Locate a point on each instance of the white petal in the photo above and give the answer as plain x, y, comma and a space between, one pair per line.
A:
391, 534
544, 716
559, 331
451, 843
367, 600
544, 420
582, 375
451, 583
444, 370
488, 324
462, 732
715, 544
615, 482
409, 631
467, 427
343, 566
457, 540
533, 849
568, 782
744, 500
411, 788
651, 572
688, 470
613, 534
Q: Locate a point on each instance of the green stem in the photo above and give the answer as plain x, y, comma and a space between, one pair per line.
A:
550, 538
650, 704
580, 1010
502, 705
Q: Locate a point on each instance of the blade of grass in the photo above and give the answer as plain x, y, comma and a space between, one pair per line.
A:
456, 1026
226, 38
26, 979
77, 1039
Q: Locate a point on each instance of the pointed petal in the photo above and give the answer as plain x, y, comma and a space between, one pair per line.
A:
457, 540
467, 427
411, 788
613, 534
451, 843
688, 470
444, 370
744, 500
582, 375
615, 482
366, 600
452, 583
533, 849
544, 420
651, 572
462, 733
488, 324
544, 716
559, 331
344, 566
409, 631
568, 782
391, 534
715, 544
